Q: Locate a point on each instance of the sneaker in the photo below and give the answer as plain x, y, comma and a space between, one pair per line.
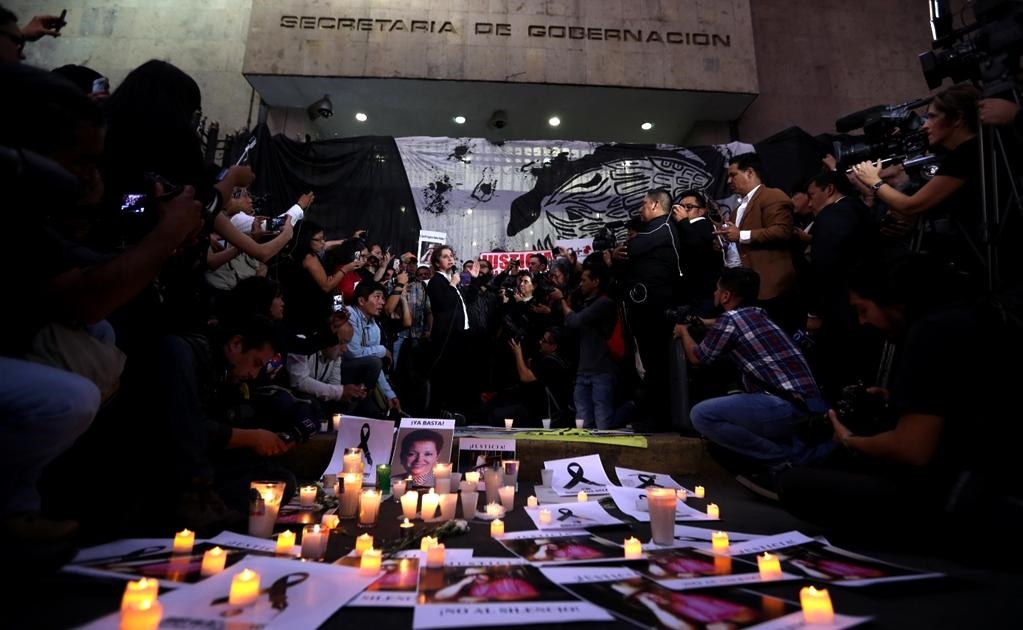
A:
761, 483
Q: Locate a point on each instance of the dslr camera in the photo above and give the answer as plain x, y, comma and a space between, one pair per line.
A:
686, 314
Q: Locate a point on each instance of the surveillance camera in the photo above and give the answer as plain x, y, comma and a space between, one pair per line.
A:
322, 108
498, 120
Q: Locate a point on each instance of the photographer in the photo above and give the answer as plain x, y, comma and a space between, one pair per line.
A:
322, 375
951, 199
949, 456
309, 288
544, 387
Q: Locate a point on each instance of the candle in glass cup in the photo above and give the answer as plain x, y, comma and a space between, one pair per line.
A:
713, 511
143, 590
511, 471
349, 505
817, 608
409, 503
362, 543
369, 507
442, 477
448, 506
470, 499
352, 460
183, 541
307, 496
435, 556
509, 422
142, 615
384, 477
719, 542
507, 495
472, 476
371, 560
263, 509
546, 477
546, 518
492, 480
398, 489
337, 422
329, 481
213, 562
496, 528
633, 548
286, 543
769, 566
661, 502
314, 542
244, 588
430, 502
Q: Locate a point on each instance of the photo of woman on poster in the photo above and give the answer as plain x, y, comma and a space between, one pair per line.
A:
417, 455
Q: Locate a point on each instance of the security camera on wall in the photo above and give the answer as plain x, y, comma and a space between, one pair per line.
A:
322, 108
498, 120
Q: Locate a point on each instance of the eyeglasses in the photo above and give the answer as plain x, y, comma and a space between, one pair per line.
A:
690, 206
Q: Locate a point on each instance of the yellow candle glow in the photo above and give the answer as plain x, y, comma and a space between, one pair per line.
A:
816, 605
508, 422
435, 557
183, 541
213, 561
546, 518
532, 502
681, 494
770, 567
409, 503
427, 543
352, 461
330, 521
581, 497
430, 502
507, 495
307, 496
244, 588
362, 543
633, 548
493, 510
472, 476
141, 615
369, 507
699, 492
713, 511
286, 543
144, 590
370, 563
719, 542
337, 422
496, 528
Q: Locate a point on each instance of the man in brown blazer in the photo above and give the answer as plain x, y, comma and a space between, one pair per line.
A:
763, 233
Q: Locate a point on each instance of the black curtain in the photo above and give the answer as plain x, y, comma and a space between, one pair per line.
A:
358, 182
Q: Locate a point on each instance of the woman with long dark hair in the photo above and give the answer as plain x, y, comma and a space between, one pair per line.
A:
308, 287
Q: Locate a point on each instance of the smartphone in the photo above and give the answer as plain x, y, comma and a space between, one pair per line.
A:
133, 203
275, 363
101, 86
396, 265
276, 224
339, 304
63, 21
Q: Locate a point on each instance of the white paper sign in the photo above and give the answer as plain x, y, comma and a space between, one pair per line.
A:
632, 501
240, 541
631, 478
573, 474
572, 516
551, 548
584, 575
374, 437
396, 588
682, 569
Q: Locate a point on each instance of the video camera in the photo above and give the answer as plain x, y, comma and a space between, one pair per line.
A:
892, 133
606, 238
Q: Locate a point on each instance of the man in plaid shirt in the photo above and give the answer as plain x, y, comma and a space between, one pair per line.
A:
779, 386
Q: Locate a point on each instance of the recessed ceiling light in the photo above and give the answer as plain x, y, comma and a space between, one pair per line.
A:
360, 117
468, 210
460, 120
554, 121
646, 126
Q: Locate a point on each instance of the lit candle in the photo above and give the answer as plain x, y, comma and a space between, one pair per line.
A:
362, 543
330, 521
307, 496
349, 506
493, 479
507, 494
314, 542
493, 510
183, 541
369, 507
430, 502
442, 477
508, 422
213, 562
770, 567
406, 529
244, 588
435, 556
496, 528
337, 422
469, 499
532, 502
144, 590
633, 548
816, 605
263, 510
383, 477
719, 542
546, 518
448, 506
681, 495
398, 488
427, 543
699, 492
713, 511
581, 497
409, 503
142, 615
473, 477
370, 563
286, 543
352, 461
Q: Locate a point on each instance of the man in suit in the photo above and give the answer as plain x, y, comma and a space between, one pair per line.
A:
701, 255
763, 232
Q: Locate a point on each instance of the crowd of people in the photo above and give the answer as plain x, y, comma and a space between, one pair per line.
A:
180, 341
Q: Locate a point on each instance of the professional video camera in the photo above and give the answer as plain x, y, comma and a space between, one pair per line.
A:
987, 51
861, 412
892, 133
686, 314
605, 238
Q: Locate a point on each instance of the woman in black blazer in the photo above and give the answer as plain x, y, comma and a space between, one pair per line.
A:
447, 336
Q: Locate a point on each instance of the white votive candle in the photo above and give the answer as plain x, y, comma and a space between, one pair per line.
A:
213, 562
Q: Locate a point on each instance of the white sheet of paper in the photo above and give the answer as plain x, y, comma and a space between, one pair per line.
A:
573, 516
573, 474
548, 496
538, 533
377, 435
694, 568
631, 478
451, 554
583, 575
314, 593
123, 550
239, 541
377, 596
769, 543
687, 532
629, 500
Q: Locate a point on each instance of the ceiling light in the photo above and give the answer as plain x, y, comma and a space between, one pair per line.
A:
459, 120
468, 210
554, 121
646, 126
360, 117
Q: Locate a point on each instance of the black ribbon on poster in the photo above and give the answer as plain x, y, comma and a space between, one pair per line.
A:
648, 481
277, 592
358, 182
575, 471
565, 514
364, 443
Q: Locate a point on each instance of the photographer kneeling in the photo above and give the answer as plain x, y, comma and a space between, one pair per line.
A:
949, 457
544, 389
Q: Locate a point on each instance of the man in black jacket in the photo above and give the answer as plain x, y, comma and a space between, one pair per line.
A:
703, 261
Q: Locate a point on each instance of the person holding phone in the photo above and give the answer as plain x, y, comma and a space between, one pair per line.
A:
13, 38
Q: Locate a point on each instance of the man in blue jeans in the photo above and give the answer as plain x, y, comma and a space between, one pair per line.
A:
595, 321
780, 389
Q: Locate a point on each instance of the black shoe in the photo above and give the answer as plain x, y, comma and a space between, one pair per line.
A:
761, 483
